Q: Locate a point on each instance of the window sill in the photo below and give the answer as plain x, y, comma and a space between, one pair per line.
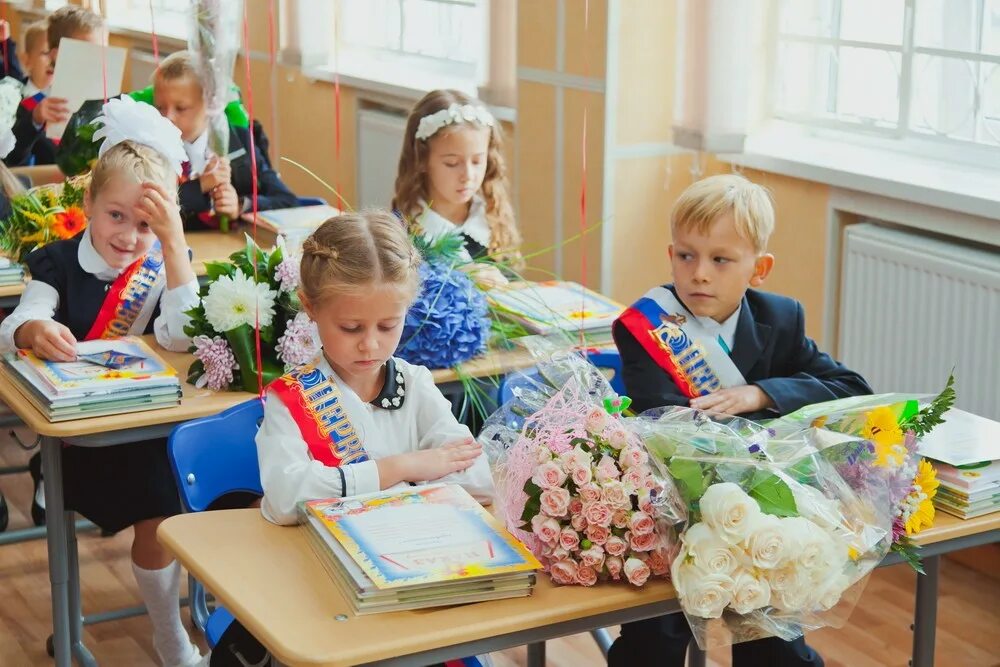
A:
405, 83
953, 186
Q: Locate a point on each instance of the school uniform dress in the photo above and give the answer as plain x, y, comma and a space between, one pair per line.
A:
272, 193
475, 231
119, 485
766, 340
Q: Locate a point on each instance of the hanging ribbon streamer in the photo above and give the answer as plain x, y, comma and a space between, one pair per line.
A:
253, 191
583, 172
336, 97
152, 33
6, 56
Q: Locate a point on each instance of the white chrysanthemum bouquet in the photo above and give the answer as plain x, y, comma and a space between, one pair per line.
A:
777, 542
255, 289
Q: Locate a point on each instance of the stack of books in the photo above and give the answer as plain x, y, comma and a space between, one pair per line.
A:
555, 306
294, 224
11, 273
427, 546
965, 451
109, 377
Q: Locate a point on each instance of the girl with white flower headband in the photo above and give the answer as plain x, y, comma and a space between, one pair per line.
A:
128, 272
452, 177
354, 419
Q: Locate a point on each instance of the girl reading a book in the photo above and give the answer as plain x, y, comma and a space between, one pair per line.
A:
452, 178
129, 272
355, 419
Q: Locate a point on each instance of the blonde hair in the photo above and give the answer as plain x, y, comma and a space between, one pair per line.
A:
34, 34
411, 177
71, 20
353, 252
136, 160
178, 65
704, 201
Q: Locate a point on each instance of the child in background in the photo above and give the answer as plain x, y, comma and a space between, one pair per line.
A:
133, 245
720, 227
452, 178
33, 147
211, 184
38, 65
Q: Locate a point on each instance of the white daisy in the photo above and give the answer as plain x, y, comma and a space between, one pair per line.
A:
234, 301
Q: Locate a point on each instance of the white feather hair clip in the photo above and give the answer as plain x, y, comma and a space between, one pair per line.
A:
467, 113
124, 119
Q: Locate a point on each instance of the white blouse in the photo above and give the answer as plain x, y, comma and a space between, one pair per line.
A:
476, 226
422, 420
40, 302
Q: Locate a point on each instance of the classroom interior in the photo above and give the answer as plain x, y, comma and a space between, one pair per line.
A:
875, 126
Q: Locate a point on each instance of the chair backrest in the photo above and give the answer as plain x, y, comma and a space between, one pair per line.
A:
216, 455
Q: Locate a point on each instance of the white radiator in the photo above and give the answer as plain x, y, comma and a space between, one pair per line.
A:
913, 306
380, 138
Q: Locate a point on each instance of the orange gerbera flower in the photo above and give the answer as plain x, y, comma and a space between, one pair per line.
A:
69, 223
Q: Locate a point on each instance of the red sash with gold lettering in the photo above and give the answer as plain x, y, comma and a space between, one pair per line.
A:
317, 406
127, 296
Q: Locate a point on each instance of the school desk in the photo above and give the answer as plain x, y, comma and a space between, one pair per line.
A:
270, 579
67, 618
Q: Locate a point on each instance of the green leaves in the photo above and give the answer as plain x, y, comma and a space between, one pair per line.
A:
691, 479
924, 421
534, 504
773, 496
241, 340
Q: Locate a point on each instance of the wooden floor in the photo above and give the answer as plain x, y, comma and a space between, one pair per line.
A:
878, 633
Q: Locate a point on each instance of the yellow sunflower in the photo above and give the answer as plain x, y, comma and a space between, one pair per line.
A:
925, 486
883, 430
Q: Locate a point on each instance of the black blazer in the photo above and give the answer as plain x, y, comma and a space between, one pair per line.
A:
29, 141
771, 350
271, 192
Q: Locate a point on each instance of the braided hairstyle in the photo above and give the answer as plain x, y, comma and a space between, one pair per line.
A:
137, 161
355, 252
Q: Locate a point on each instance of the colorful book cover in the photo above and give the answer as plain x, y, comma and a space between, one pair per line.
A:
429, 534
82, 377
553, 305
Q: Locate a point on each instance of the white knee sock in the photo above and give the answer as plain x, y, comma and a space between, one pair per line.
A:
160, 590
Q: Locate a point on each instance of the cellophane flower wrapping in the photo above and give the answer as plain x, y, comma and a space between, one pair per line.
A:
777, 542
574, 482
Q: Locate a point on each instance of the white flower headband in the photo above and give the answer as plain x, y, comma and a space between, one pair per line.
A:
456, 113
124, 119
10, 99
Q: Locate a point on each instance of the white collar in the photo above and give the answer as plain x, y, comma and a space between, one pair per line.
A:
30, 89
91, 260
392, 395
476, 226
197, 152
726, 329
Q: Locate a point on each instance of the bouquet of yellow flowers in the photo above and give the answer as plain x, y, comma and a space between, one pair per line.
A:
42, 215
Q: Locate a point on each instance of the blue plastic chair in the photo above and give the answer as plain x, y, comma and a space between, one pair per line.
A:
211, 457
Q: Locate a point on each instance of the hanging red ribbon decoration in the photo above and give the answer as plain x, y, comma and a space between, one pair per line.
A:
336, 102
272, 44
253, 191
583, 172
6, 56
152, 33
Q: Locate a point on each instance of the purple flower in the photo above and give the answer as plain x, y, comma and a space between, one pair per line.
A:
218, 361
898, 529
287, 274
299, 343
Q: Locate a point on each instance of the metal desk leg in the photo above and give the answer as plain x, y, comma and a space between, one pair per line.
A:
925, 613
696, 657
80, 652
56, 535
536, 654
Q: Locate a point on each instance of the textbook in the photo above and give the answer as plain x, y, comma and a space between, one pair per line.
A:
11, 273
557, 306
968, 491
427, 546
295, 224
109, 377
965, 451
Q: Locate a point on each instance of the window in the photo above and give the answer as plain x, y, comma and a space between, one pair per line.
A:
169, 18
912, 70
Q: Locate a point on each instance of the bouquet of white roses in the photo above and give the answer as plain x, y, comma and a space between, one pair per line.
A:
574, 483
775, 539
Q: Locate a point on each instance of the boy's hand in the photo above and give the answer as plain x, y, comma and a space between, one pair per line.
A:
162, 214
51, 110
47, 339
217, 172
225, 201
4, 31
734, 401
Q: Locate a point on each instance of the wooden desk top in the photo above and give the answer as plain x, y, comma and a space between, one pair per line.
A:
293, 608
270, 579
205, 247
197, 403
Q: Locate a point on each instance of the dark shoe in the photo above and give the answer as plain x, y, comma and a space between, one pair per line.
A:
35, 468
4, 514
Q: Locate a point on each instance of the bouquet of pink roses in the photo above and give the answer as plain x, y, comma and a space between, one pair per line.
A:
575, 484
